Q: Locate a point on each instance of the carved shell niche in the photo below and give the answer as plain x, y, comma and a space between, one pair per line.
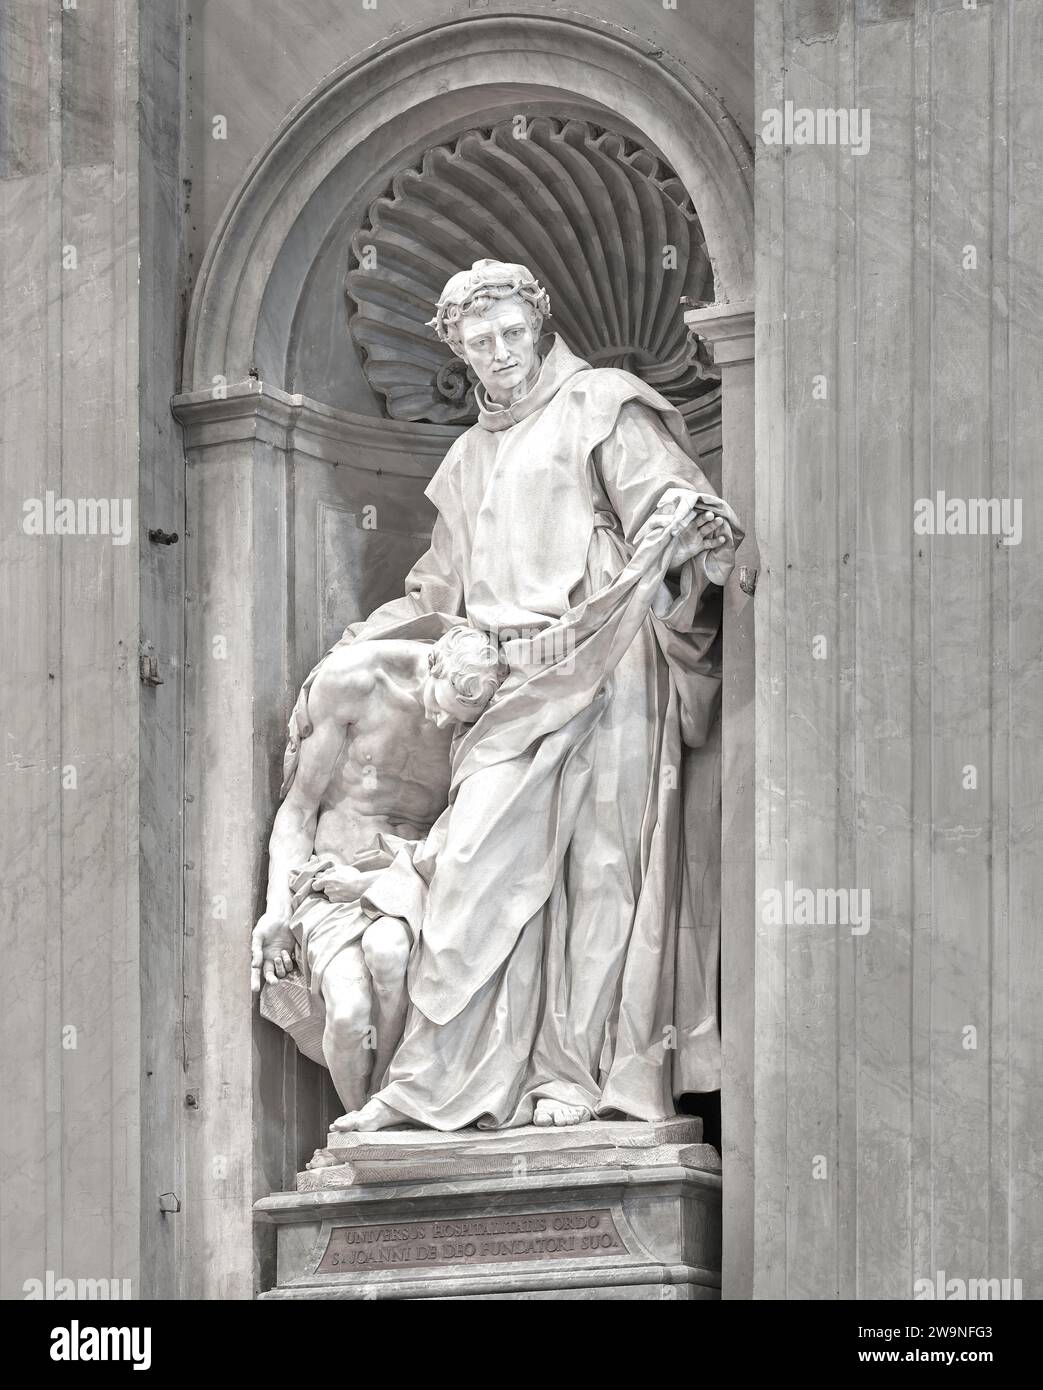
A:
602, 223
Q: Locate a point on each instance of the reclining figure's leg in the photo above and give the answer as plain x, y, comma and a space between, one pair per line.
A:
348, 1040
385, 946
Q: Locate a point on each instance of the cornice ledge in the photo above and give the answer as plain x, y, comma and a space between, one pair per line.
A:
254, 410
728, 329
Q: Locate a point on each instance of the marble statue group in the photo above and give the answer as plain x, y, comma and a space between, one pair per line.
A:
479, 874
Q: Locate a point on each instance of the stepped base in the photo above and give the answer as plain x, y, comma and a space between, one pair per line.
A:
613, 1210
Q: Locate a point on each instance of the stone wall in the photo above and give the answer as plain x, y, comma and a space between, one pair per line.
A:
69, 374
898, 710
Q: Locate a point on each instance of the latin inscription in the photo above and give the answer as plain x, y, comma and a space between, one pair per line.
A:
558, 1235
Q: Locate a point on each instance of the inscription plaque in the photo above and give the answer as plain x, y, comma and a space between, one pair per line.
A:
472, 1240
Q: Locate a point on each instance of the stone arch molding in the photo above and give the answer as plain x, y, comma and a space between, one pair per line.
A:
409, 90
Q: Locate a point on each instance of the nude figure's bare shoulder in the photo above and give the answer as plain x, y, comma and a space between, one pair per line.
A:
352, 680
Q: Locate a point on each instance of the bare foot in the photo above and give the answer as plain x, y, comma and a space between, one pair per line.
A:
553, 1112
322, 1158
373, 1115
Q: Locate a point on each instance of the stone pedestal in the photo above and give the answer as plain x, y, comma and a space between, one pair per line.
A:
615, 1210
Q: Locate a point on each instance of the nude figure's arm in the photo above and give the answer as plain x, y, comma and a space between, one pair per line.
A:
339, 688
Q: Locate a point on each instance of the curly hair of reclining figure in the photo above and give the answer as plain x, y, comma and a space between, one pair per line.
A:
472, 663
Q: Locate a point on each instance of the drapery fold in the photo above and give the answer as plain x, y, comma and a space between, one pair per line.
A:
566, 903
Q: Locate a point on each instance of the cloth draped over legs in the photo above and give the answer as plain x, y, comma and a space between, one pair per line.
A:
323, 928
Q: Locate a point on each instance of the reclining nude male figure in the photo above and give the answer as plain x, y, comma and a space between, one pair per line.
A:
367, 775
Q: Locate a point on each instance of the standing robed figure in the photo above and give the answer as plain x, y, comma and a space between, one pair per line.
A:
568, 938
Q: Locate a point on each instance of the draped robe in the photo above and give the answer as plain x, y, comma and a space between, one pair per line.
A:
568, 919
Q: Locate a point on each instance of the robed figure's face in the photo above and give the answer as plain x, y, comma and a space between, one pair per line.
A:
500, 348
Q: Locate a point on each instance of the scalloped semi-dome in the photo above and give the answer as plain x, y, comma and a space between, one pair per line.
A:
602, 223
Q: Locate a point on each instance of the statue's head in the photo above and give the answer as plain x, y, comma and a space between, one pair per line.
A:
492, 316
465, 669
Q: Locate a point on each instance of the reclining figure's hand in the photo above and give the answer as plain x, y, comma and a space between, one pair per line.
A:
340, 883
271, 950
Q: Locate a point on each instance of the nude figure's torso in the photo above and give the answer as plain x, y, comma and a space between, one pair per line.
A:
392, 774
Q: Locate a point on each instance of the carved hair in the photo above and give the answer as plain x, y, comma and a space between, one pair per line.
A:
472, 663
474, 292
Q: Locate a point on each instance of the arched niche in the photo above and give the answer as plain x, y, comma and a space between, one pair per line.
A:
596, 214
335, 151
279, 484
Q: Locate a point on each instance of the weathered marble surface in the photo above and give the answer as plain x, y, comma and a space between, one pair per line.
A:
592, 1134
355, 1172
412, 1155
